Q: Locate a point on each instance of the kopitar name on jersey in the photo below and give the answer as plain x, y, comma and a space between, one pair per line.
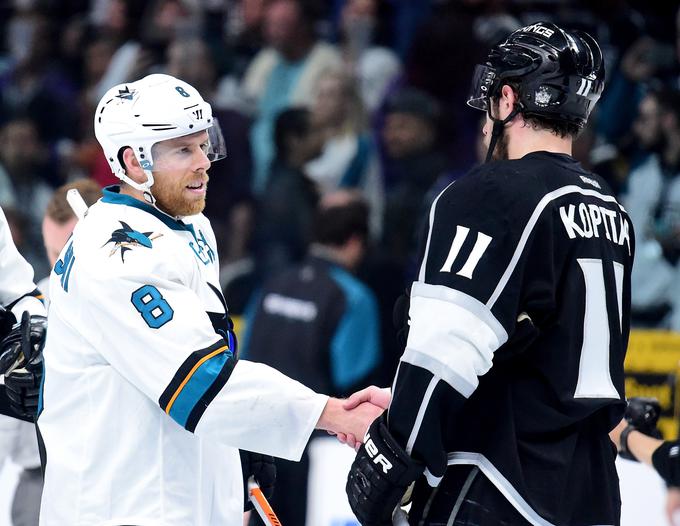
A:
589, 220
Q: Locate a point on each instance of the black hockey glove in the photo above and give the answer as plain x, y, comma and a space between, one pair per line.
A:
24, 343
379, 477
263, 469
23, 390
7, 321
666, 461
642, 414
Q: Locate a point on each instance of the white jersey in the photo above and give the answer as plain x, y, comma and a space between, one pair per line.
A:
17, 292
17, 289
144, 403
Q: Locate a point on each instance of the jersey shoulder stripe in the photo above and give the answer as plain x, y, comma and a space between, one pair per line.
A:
533, 220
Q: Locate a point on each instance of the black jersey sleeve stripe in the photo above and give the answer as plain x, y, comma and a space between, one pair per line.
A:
218, 383
196, 383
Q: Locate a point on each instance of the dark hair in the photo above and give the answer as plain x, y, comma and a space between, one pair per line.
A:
414, 102
335, 225
290, 122
561, 128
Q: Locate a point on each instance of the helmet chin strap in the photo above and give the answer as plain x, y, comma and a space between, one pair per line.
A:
144, 187
498, 127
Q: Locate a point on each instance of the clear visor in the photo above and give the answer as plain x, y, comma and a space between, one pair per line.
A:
482, 81
164, 152
216, 148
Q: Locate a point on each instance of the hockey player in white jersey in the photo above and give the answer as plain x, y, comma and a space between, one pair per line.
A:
22, 321
145, 402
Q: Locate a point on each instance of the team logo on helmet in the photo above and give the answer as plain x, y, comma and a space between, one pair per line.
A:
126, 94
538, 29
127, 238
543, 97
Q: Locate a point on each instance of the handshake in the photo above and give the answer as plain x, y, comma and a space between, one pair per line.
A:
349, 419
383, 471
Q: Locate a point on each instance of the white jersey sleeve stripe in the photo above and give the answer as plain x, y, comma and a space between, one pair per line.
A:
451, 339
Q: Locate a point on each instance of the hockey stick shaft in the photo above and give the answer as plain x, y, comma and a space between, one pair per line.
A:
261, 504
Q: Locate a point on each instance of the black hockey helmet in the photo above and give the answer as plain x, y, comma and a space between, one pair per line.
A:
559, 74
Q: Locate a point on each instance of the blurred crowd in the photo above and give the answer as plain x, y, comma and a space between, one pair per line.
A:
313, 97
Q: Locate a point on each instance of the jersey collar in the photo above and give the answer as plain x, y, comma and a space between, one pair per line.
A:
113, 196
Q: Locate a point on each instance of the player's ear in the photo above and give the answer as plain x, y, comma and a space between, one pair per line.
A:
506, 101
132, 168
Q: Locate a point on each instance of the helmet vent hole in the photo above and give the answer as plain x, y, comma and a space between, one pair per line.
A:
141, 156
191, 126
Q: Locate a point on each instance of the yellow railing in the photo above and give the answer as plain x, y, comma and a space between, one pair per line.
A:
652, 369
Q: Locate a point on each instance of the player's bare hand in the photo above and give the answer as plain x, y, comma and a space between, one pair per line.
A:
372, 394
349, 425
358, 421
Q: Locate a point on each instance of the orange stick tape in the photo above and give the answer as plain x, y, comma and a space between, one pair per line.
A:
262, 505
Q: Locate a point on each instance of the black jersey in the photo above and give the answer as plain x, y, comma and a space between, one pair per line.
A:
519, 323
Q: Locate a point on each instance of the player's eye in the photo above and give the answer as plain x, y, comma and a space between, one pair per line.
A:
205, 147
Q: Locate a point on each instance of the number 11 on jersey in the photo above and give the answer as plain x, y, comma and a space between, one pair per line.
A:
594, 376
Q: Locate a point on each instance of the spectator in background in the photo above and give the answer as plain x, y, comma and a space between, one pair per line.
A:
287, 205
374, 67
653, 203
34, 86
60, 220
283, 74
119, 20
317, 323
229, 205
413, 164
26, 160
348, 158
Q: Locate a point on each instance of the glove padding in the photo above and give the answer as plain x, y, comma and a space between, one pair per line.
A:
24, 343
23, 390
642, 414
666, 461
263, 469
379, 477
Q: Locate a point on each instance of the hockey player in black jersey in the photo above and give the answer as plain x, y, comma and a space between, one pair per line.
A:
512, 374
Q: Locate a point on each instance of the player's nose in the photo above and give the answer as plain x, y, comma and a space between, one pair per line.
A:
203, 163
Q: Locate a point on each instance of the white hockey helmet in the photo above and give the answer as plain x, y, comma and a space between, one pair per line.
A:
142, 113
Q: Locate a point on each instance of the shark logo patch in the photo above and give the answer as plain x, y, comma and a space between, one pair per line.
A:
127, 238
